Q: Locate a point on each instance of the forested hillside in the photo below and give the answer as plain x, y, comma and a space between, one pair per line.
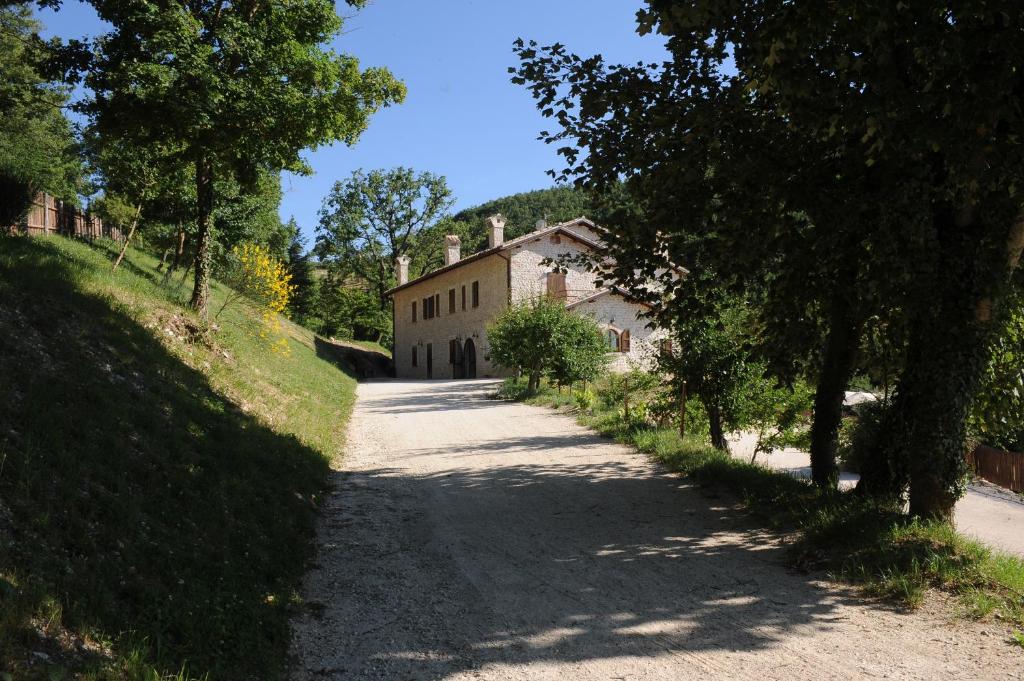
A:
523, 210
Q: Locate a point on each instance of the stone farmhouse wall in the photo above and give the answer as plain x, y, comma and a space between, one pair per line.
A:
612, 311
514, 275
529, 276
492, 273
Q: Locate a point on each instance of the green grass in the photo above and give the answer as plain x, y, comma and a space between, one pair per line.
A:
158, 482
853, 540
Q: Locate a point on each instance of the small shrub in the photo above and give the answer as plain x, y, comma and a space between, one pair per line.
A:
859, 434
257, 277
585, 400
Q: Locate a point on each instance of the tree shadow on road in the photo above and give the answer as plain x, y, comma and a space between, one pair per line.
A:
558, 563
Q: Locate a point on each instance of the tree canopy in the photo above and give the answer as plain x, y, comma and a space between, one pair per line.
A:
236, 87
38, 148
834, 159
542, 337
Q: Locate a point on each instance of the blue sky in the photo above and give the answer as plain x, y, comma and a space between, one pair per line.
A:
462, 118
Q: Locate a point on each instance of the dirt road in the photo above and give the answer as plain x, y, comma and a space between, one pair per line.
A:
473, 539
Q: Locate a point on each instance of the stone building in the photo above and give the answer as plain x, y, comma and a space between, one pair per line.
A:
441, 318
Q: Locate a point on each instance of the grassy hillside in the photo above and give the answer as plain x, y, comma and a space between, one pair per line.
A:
158, 484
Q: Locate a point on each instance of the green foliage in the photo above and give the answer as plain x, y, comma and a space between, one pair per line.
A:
38, 151
371, 218
522, 211
585, 400
167, 509
249, 214
114, 210
779, 414
234, 88
997, 415
351, 312
822, 173
542, 337
305, 302
860, 435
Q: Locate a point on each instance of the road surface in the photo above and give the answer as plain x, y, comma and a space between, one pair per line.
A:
468, 538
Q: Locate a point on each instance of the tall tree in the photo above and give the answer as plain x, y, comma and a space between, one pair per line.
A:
822, 149
372, 218
38, 149
240, 86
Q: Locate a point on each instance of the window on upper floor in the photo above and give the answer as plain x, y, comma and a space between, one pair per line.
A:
463, 297
476, 294
437, 304
414, 312
556, 285
451, 301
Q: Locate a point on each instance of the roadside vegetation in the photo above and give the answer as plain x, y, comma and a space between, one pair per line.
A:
846, 535
159, 477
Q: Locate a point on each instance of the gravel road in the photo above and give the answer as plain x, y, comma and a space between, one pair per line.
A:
468, 538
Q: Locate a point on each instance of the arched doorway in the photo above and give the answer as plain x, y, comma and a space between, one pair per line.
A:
469, 359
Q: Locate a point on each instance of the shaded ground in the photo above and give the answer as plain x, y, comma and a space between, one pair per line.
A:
986, 512
470, 538
354, 360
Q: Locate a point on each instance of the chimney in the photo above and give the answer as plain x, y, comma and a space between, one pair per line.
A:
452, 243
402, 269
495, 230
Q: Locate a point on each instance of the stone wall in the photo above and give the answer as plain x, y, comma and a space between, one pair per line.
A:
612, 311
529, 276
492, 273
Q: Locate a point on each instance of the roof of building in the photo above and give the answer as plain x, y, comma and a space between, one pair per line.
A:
560, 228
605, 291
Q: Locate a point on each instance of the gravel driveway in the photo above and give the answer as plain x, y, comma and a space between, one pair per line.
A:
473, 539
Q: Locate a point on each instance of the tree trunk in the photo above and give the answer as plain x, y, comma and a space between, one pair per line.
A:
179, 251
682, 410
534, 383
718, 440
837, 364
947, 348
127, 239
204, 229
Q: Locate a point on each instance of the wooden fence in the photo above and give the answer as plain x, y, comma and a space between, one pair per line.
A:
1005, 469
50, 215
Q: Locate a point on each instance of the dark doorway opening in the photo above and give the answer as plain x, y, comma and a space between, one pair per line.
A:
430, 360
456, 358
469, 359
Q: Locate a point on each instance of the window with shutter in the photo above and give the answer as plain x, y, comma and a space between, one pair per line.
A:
451, 301
556, 285
437, 304
624, 341
463, 297
476, 294
414, 312
426, 308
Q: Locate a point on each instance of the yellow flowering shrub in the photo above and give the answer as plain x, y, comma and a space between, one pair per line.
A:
258, 277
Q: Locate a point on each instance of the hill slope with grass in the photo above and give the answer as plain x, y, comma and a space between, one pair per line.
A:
158, 481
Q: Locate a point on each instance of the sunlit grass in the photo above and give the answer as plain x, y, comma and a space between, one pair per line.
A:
160, 479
